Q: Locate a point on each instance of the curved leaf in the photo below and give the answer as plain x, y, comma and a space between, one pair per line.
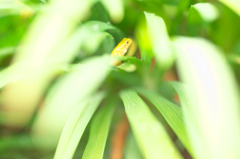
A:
171, 112
150, 134
75, 126
99, 133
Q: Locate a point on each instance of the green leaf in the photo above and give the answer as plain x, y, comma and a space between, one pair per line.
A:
9, 74
191, 119
34, 52
88, 36
144, 42
76, 125
13, 8
124, 77
131, 150
115, 9
7, 51
171, 112
151, 136
232, 4
39, 44
159, 39
128, 67
133, 60
99, 132
99, 13
212, 99
206, 12
33, 2
67, 92
183, 6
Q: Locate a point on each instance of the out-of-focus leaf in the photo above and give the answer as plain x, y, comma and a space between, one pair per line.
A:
151, 136
191, 120
211, 102
17, 107
115, 9
170, 10
144, 42
20, 142
63, 54
171, 2
128, 79
33, 2
232, 4
132, 60
172, 114
229, 30
66, 94
15, 7
12, 37
107, 45
38, 46
92, 43
35, 49
206, 12
99, 13
98, 26
160, 41
75, 126
10, 74
99, 133
183, 6
7, 51
89, 35
128, 67
131, 150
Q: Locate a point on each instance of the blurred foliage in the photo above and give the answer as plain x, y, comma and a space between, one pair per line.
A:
54, 60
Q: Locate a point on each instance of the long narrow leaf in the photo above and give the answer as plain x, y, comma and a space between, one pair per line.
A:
75, 127
131, 148
212, 102
99, 133
66, 94
46, 33
191, 119
160, 40
150, 134
90, 35
172, 114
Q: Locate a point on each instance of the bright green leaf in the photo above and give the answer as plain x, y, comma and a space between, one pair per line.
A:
212, 99
206, 12
66, 94
89, 36
99, 133
144, 42
131, 150
75, 126
115, 9
151, 136
172, 114
128, 67
7, 51
232, 4
159, 39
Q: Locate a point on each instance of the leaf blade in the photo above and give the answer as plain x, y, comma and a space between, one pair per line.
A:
212, 102
171, 112
150, 134
99, 133
75, 127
